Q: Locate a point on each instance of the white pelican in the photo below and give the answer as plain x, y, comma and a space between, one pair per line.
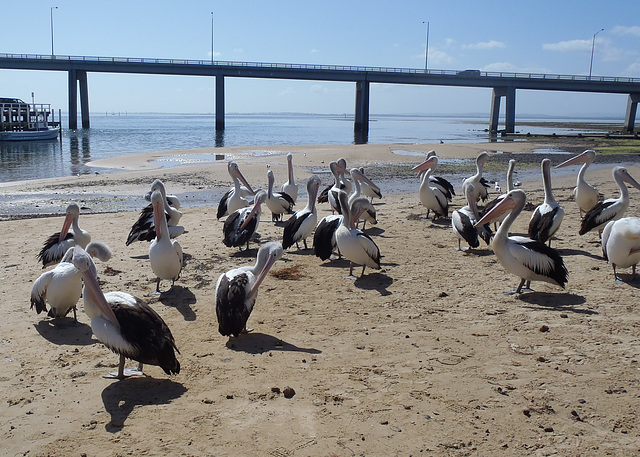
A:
124, 324
359, 181
300, 226
463, 220
369, 189
621, 244
611, 208
498, 199
526, 258
277, 202
437, 181
431, 198
237, 290
61, 286
585, 194
240, 226
56, 246
236, 197
144, 229
547, 217
165, 254
290, 187
479, 183
355, 245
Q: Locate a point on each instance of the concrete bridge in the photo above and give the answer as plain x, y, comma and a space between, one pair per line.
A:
503, 84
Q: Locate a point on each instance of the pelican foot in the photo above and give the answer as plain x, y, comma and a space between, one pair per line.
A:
351, 277
127, 373
519, 292
246, 330
619, 281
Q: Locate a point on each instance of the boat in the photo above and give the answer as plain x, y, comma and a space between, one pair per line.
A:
20, 121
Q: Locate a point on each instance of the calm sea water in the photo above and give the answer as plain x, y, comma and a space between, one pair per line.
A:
113, 135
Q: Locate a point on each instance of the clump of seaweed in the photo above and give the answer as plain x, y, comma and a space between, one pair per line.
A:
292, 273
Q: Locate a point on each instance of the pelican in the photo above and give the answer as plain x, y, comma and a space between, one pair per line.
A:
165, 254
528, 259
277, 202
56, 246
124, 324
437, 181
340, 183
585, 194
300, 226
547, 217
431, 198
240, 226
369, 189
463, 220
611, 208
61, 286
359, 181
237, 290
290, 187
621, 244
144, 229
355, 245
236, 197
479, 183
498, 199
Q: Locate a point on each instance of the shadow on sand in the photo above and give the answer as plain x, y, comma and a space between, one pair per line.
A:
181, 299
120, 398
259, 343
65, 331
563, 302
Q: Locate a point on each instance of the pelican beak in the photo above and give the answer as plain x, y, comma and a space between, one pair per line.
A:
241, 177
158, 215
254, 210
580, 158
65, 226
424, 166
92, 287
263, 274
505, 205
626, 177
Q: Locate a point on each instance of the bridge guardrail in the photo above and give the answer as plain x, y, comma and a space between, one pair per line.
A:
190, 62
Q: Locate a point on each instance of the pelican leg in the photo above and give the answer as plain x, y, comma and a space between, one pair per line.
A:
297, 245
633, 274
305, 243
123, 372
350, 268
75, 314
616, 279
364, 224
518, 289
363, 267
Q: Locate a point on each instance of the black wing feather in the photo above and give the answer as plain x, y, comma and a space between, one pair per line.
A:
559, 272
590, 219
323, 237
230, 305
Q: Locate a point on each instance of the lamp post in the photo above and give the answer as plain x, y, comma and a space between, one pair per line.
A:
426, 51
593, 43
212, 38
51, 11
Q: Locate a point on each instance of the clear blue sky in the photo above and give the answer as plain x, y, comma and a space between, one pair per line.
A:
519, 36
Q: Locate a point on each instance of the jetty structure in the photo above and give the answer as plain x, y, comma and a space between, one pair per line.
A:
503, 84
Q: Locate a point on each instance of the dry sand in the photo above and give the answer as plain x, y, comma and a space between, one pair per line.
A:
424, 357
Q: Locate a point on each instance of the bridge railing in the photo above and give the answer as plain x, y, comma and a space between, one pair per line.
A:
351, 68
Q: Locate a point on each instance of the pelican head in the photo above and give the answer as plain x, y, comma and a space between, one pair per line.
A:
625, 176
513, 199
234, 171
72, 212
587, 157
429, 164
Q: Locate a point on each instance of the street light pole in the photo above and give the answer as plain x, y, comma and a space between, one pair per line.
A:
51, 11
426, 51
593, 44
212, 38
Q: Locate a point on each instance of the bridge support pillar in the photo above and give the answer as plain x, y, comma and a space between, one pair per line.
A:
510, 109
361, 122
219, 102
632, 108
75, 77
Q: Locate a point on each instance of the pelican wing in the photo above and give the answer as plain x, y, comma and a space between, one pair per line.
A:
371, 248
39, 291
155, 345
463, 225
323, 197
597, 216
324, 238
539, 258
222, 206
231, 306
445, 186
53, 250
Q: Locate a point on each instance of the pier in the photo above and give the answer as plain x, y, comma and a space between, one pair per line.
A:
503, 84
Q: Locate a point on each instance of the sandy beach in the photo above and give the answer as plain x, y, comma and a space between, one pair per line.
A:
426, 356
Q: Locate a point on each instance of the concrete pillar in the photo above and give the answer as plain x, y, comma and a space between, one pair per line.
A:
219, 102
510, 109
84, 98
630, 116
73, 100
361, 122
